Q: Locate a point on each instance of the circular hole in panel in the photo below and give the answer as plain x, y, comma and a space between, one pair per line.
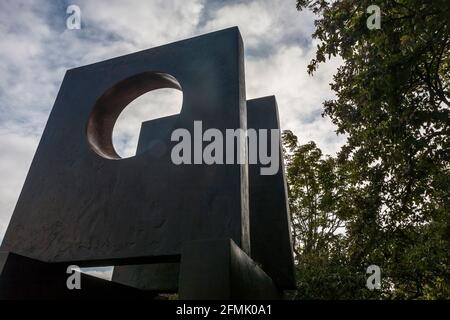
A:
115, 120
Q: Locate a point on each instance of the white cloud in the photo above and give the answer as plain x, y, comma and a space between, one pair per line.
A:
17, 151
299, 95
264, 24
152, 105
254, 20
143, 23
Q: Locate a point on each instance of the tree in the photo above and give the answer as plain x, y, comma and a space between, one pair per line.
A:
318, 193
392, 102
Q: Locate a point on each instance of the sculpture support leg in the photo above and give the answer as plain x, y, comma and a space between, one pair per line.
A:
219, 269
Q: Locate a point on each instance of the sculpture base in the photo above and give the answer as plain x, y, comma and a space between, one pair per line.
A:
220, 270
209, 270
22, 278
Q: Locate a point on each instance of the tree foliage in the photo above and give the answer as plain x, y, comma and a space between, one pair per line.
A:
389, 186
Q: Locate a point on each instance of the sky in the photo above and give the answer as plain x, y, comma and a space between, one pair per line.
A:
36, 49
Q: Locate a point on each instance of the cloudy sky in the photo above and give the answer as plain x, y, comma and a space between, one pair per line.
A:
36, 48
